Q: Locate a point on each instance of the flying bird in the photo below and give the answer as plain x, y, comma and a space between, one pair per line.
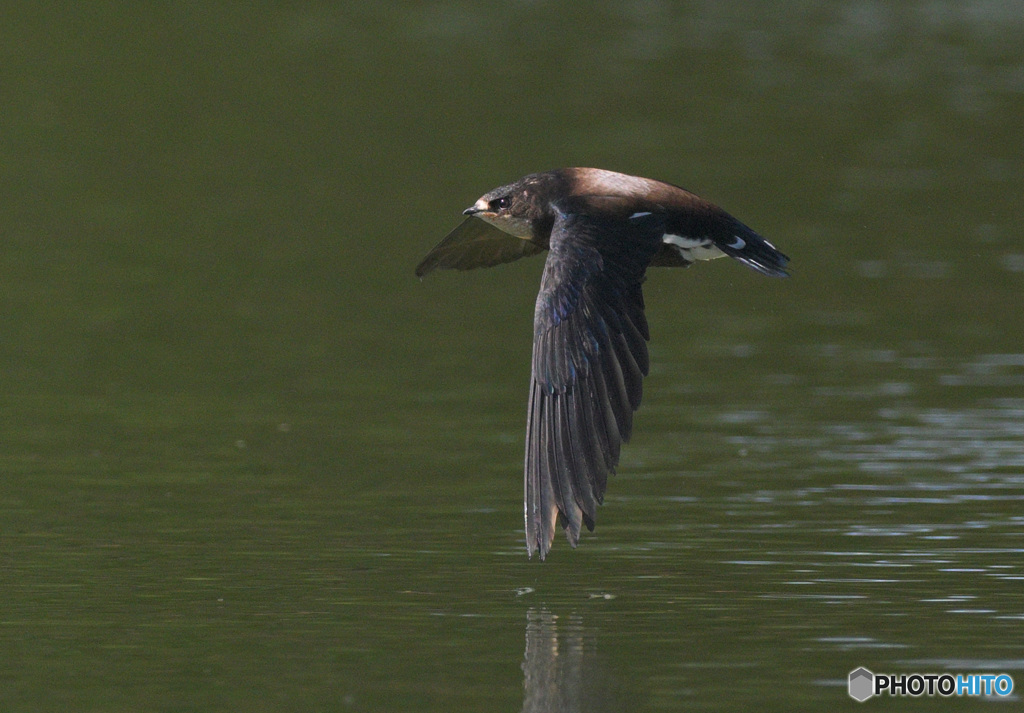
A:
602, 230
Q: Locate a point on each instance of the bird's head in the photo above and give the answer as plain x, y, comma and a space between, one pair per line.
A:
523, 208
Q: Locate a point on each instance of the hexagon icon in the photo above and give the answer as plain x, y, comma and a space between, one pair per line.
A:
862, 684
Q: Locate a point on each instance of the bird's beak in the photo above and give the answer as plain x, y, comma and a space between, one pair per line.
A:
479, 207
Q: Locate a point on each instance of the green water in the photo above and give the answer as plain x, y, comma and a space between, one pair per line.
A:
249, 462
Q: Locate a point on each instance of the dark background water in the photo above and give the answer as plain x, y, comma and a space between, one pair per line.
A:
249, 462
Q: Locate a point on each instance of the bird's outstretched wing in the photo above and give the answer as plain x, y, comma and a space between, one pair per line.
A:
475, 243
589, 360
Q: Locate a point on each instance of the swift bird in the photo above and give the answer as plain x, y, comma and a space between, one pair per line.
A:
603, 229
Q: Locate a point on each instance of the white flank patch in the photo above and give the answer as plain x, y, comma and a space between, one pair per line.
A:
738, 244
692, 248
641, 214
685, 243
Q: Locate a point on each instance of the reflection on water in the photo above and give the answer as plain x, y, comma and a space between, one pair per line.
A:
990, 370
885, 533
984, 447
561, 668
933, 490
553, 664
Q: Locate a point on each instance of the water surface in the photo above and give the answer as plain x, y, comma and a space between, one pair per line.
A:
250, 462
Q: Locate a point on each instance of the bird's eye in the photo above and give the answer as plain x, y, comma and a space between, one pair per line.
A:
499, 203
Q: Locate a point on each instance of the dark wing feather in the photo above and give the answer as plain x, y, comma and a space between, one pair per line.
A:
589, 361
475, 243
745, 245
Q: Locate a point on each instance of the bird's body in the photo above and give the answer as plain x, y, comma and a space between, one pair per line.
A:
603, 230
